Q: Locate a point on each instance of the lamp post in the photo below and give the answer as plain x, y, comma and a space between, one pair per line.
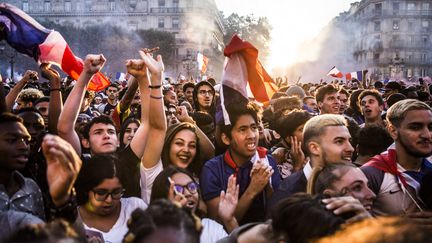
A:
188, 64
9, 54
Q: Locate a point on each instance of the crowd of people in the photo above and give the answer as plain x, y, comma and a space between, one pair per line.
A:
146, 161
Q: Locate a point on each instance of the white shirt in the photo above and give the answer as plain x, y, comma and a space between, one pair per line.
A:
307, 170
212, 231
148, 175
119, 229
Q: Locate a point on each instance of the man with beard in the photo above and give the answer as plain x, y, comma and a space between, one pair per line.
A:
112, 93
326, 140
396, 174
204, 97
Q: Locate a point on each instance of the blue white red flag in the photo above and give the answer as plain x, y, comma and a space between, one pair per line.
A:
27, 36
243, 77
355, 75
202, 62
334, 72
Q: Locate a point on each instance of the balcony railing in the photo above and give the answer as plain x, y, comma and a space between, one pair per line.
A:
393, 13
167, 10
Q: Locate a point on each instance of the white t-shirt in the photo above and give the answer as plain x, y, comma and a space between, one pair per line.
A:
119, 229
212, 231
148, 175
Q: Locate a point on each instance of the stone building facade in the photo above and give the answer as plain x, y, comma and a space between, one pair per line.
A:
196, 24
391, 38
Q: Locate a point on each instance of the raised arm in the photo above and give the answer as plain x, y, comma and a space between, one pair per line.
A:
157, 121
69, 114
28, 77
127, 98
56, 103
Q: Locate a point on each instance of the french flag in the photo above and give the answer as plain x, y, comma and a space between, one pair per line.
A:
334, 72
27, 36
355, 75
202, 62
243, 77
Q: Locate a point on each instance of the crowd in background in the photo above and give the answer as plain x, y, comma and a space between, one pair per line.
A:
145, 160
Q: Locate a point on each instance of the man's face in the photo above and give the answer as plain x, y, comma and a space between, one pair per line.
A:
370, 108
22, 104
171, 98
343, 99
171, 116
330, 104
415, 133
244, 138
43, 108
102, 139
312, 104
333, 146
189, 94
205, 96
112, 93
34, 124
14, 146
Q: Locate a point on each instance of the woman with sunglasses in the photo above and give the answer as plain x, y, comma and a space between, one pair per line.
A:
102, 209
178, 185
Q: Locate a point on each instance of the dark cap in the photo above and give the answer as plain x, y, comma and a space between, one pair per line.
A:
392, 86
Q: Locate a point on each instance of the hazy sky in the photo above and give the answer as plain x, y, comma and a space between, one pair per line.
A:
293, 21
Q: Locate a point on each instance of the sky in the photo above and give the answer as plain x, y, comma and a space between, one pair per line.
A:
293, 22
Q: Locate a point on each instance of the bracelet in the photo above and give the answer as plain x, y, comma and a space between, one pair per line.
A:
154, 86
156, 97
51, 90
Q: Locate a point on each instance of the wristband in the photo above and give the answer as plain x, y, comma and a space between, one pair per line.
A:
156, 97
154, 86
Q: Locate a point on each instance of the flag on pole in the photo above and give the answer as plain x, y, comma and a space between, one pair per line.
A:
120, 76
334, 72
202, 62
243, 77
27, 36
355, 75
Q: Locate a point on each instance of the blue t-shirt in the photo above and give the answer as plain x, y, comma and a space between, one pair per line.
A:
214, 179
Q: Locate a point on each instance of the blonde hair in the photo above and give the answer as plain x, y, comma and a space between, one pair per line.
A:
315, 127
397, 112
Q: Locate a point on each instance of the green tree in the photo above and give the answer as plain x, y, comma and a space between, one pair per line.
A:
252, 29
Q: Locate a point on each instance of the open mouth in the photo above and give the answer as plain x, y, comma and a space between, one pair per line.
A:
251, 146
190, 204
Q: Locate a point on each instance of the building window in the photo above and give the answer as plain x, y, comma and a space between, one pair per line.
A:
410, 24
161, 3
376, 56
175, 23
395, 7
25, 6
411, 6
161, 22
425, 39
68, 6
47, 6
377, 25
425, 24
424, 57
112, 5
176, 3
378, 8
396, 24
425, 6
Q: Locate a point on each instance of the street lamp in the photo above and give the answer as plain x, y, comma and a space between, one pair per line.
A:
188, 64
9, 54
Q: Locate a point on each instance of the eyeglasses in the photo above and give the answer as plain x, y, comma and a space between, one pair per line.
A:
205, 92
192, 187
101, 195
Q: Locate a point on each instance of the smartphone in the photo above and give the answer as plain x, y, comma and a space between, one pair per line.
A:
175, 189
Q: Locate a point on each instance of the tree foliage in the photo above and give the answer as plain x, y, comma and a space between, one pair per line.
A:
115, 43
252, 29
